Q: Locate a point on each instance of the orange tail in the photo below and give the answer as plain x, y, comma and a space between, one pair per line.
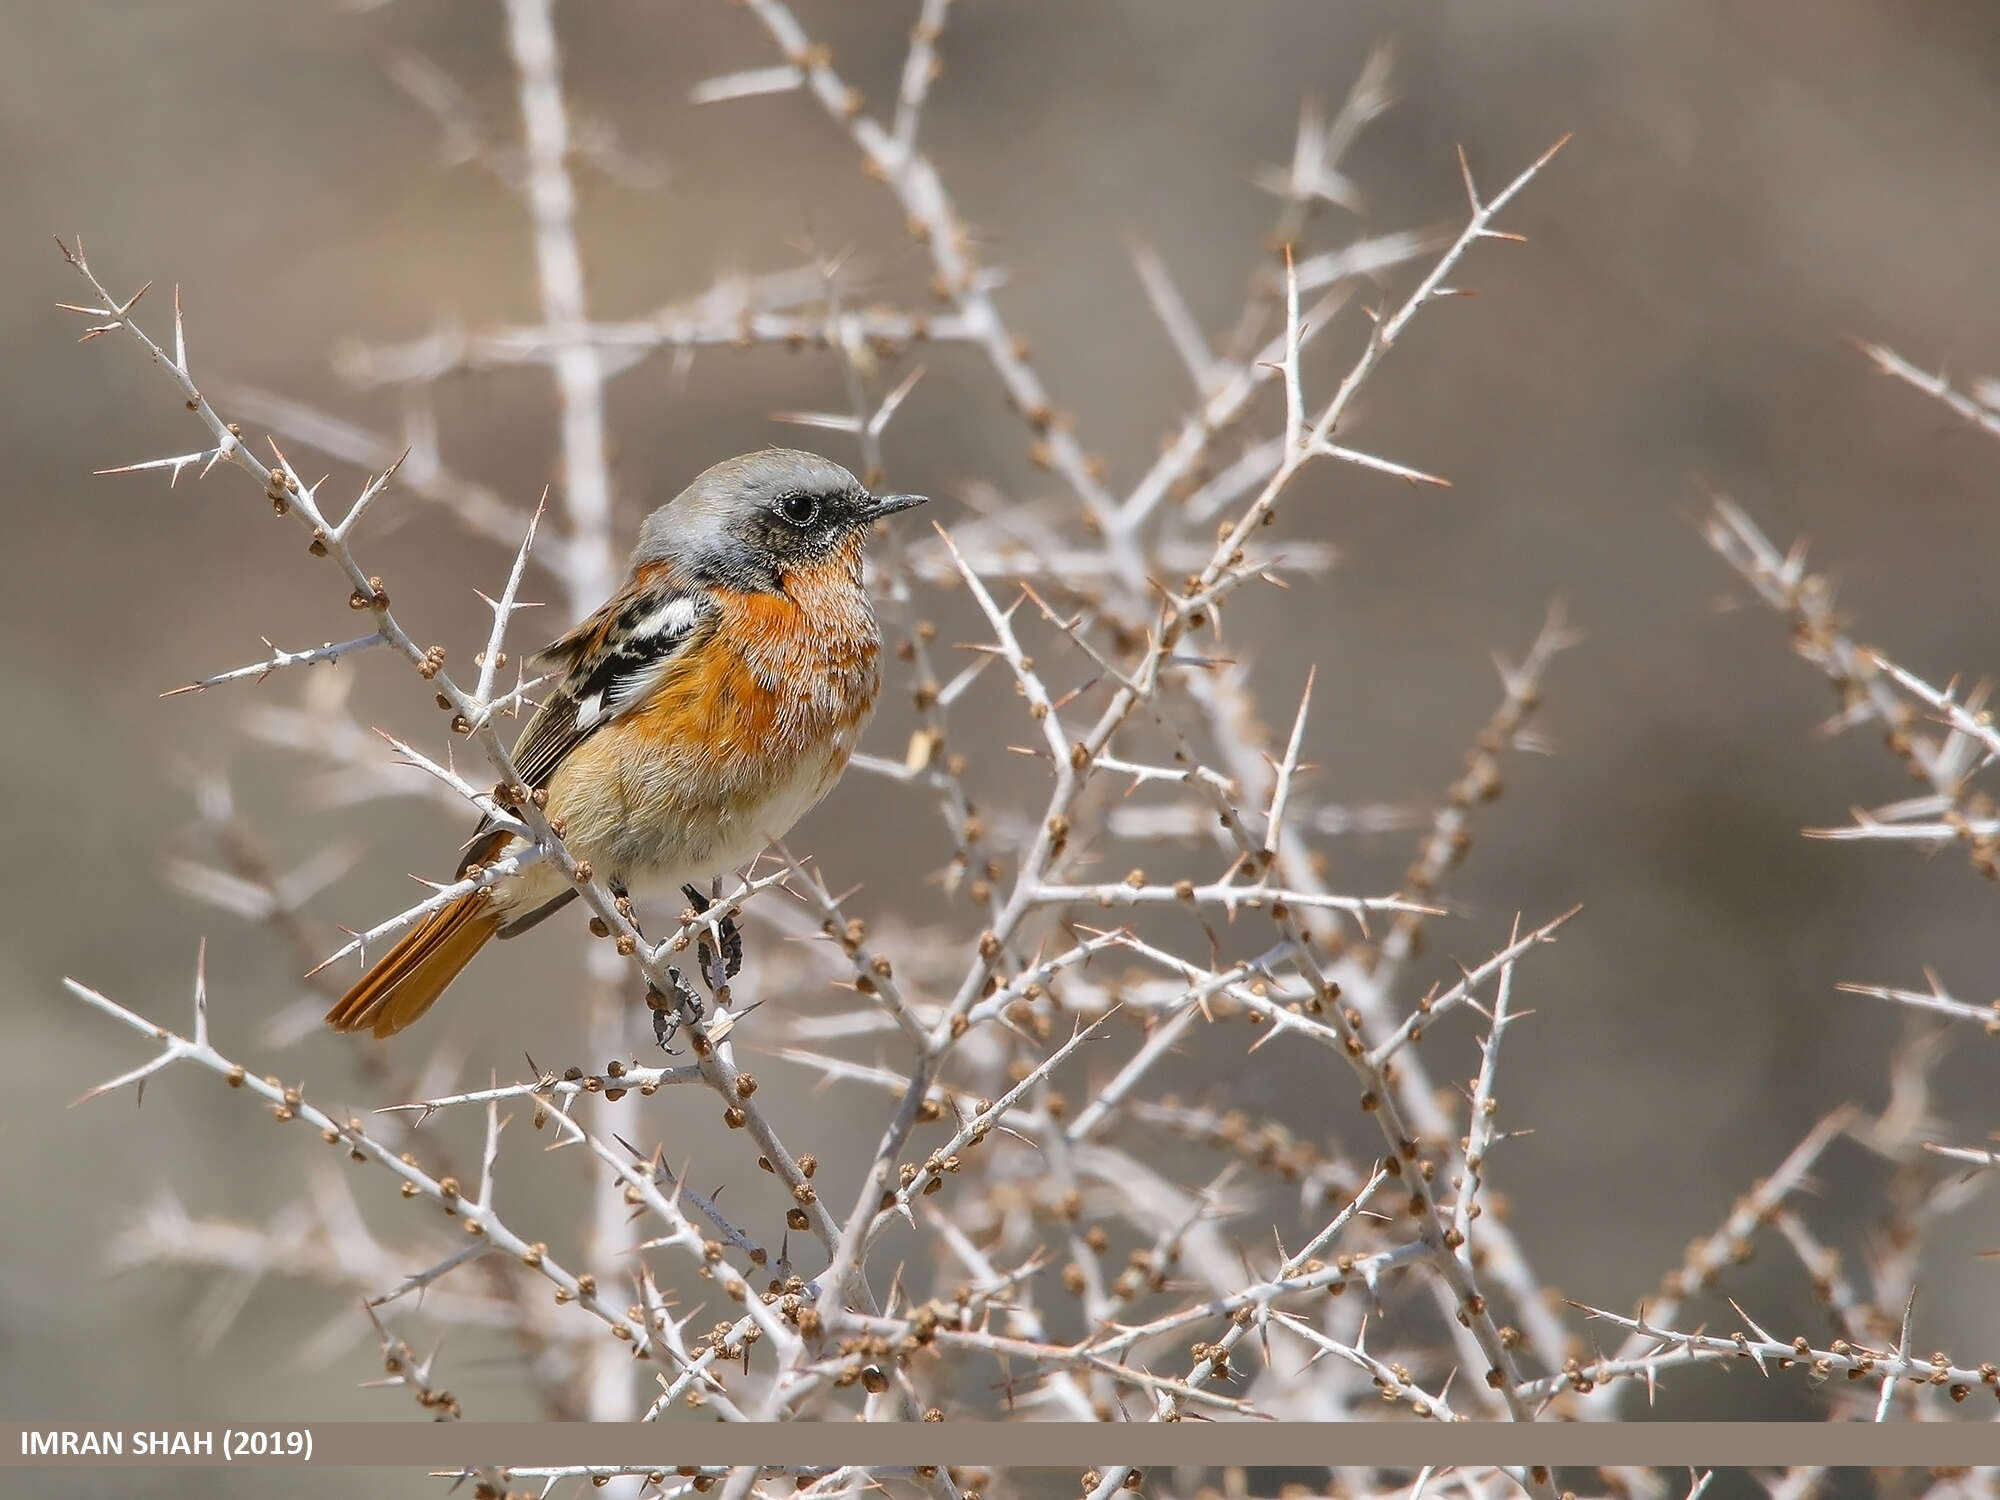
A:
406, 979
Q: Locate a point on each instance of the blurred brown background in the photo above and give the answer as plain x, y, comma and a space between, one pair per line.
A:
1747, 184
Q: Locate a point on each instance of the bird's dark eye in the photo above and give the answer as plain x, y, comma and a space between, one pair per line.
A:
799, 510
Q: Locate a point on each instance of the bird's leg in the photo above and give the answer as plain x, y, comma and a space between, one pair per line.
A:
704, 950
670, 1010
716, 969
730, 935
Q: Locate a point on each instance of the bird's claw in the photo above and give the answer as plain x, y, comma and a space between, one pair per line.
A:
669, 1011
727, 931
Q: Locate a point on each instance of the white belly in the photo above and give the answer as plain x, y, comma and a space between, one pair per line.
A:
662, 853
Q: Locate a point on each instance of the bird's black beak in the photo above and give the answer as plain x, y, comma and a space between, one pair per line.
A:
888, 505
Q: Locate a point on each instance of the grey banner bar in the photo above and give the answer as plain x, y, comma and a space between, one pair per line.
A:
1075, 1445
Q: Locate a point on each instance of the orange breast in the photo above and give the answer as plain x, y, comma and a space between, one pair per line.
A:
783, 675
749, 728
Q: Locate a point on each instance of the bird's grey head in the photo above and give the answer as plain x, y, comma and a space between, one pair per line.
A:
748, 521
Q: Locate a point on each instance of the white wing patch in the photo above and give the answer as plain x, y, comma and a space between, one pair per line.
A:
651, 645
675, 617
630, 692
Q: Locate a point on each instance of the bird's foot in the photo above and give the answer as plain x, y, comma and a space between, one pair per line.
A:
670, 1011
729, 934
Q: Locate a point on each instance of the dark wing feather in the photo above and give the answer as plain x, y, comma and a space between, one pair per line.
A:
614, 660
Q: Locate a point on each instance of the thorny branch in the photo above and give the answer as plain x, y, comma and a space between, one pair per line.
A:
976, 1245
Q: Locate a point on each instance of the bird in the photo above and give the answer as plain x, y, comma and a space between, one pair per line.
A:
697, 714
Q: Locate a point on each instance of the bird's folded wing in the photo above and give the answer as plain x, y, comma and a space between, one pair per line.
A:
612, 663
